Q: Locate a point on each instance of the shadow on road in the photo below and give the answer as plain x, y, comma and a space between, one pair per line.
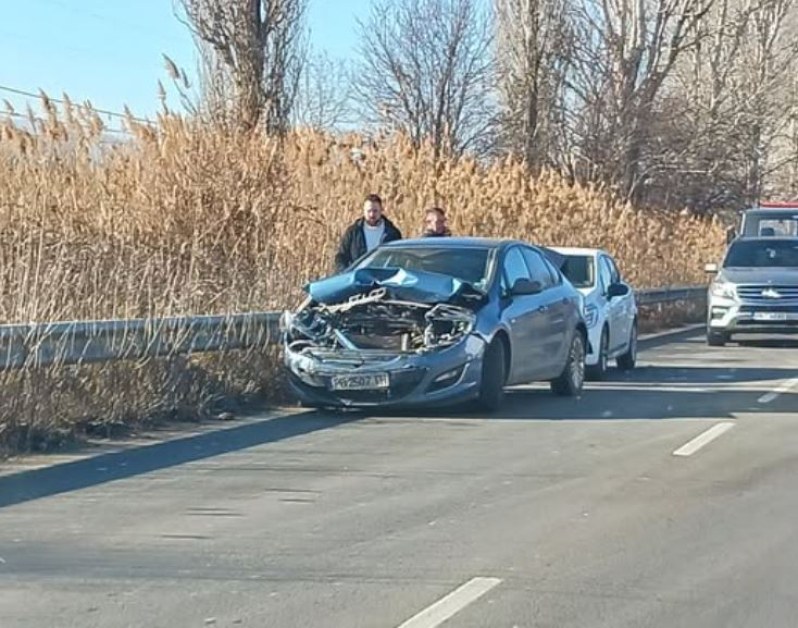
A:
648, 393
61, 478
766, 343
699, 375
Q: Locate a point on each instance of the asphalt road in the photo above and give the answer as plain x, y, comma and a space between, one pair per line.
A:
552, 513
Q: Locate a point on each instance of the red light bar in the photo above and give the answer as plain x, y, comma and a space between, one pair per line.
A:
779, 204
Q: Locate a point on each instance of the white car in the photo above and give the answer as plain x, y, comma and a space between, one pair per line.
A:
610, 308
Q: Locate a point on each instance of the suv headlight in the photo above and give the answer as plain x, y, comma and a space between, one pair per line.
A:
724, 290
591, 315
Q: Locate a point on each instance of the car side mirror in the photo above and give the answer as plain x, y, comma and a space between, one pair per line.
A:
712, 269
524, 287
617, 290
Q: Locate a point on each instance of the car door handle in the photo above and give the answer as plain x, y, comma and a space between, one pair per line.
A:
543, 308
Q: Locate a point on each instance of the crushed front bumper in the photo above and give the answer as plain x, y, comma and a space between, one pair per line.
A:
434, 378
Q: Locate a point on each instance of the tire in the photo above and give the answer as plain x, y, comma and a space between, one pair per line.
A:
570, 382
717, 338
628, 360
598, 371
491, 387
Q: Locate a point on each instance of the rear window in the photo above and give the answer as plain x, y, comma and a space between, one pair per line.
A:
580, 270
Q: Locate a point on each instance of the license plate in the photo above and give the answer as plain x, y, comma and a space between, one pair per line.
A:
365, 381
770, 316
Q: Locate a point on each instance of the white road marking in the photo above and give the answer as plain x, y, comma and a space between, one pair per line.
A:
451, 604
703, 439
784, 387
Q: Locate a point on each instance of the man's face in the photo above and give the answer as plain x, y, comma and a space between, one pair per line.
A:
372, 212
434, 222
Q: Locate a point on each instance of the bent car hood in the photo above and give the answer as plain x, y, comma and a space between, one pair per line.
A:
416, 285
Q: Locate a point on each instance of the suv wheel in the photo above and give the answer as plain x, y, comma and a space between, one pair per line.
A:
717, 338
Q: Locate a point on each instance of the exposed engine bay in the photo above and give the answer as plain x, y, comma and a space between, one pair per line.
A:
375, 322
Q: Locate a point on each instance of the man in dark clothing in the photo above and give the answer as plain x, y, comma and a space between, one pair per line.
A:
435, 223
365, 233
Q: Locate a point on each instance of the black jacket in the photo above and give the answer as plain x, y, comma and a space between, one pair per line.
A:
353, 242
431, 234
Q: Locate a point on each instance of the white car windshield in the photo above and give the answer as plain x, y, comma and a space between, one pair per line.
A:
580, 270
468, 264
763, 254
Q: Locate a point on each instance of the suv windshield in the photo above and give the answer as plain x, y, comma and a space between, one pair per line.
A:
763, 254
468, 264
580, 270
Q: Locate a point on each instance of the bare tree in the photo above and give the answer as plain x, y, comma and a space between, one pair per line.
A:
532, 45
626, 50
426, 69
325, 94
252, 53
729, 140
787, 149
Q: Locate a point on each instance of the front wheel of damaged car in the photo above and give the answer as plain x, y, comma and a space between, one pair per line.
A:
572, 379
494, 374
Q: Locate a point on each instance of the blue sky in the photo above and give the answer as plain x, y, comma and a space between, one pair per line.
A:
109, 51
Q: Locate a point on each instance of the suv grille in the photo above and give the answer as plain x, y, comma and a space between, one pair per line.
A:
769, 295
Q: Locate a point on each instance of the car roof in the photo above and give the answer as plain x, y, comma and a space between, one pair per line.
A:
574, 250
765, 239
453, 242
773, 206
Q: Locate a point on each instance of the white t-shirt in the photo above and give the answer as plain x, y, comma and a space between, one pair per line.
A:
373, 234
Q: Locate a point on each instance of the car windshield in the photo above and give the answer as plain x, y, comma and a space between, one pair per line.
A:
763, 254
468, 264
580, 270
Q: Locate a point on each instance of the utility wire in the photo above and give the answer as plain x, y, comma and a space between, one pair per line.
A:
113, 114
28, 118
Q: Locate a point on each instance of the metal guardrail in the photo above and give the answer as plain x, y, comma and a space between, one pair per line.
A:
85, 342
670, 295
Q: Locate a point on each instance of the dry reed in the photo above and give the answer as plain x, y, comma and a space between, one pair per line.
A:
183, 219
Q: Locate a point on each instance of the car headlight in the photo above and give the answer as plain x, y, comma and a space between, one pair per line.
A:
724, 290
591, 315
285, 322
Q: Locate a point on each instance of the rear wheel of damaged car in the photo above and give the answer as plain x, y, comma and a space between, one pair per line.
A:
572, 379
494, 375
598, 371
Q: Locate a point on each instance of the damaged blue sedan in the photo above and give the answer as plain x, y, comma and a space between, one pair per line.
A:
434, 322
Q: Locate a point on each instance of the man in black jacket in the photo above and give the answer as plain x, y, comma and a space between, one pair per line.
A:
365, 233
435, 223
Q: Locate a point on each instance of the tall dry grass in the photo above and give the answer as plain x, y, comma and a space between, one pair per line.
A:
183, 219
